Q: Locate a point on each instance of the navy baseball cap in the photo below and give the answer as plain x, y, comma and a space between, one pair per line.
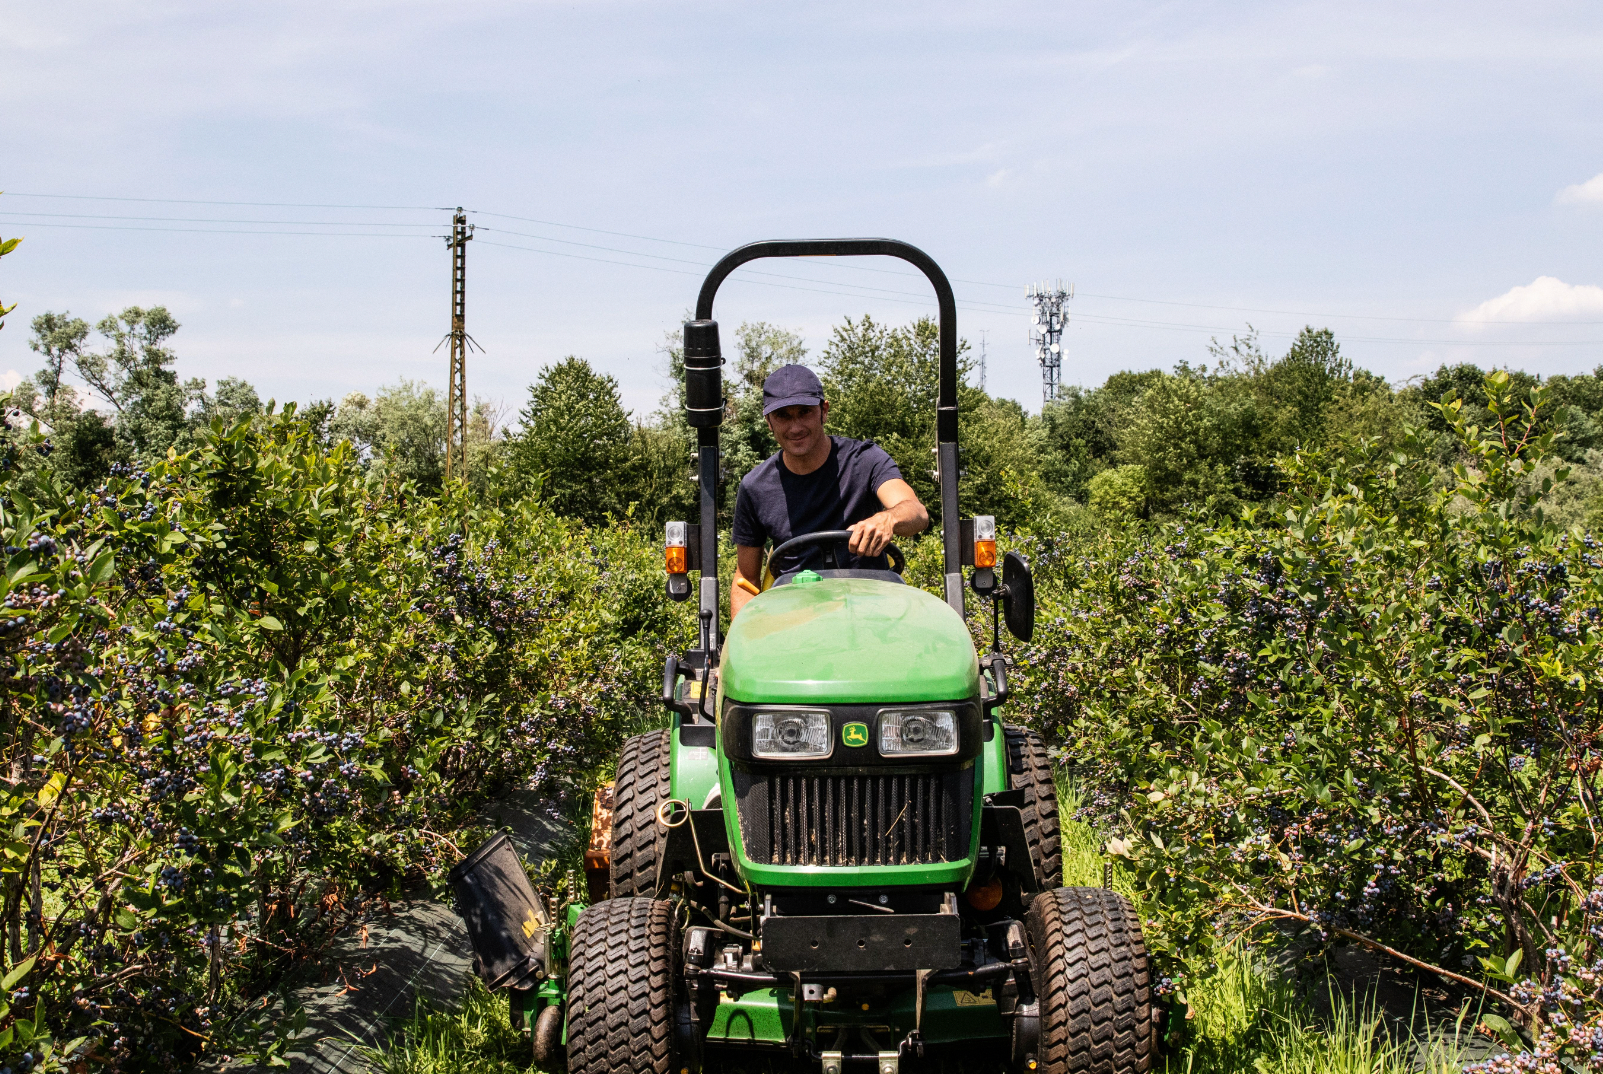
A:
791, 385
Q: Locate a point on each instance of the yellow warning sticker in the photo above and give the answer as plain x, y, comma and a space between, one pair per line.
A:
529, 925
969, 999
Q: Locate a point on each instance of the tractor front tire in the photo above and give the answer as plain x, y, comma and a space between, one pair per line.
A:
1027, 751
1088, 966
640, 786
621, 988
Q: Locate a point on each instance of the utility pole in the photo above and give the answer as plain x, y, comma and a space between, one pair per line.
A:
1046, 332
456, 395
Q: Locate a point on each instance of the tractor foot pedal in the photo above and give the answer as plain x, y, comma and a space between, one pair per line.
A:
888, 1063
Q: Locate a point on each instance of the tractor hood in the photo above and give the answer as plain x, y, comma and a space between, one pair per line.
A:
848, 640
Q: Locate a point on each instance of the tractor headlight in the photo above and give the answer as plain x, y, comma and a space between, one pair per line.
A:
918, 732
781, 736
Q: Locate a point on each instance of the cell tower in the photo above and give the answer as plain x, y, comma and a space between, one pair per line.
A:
1046, 332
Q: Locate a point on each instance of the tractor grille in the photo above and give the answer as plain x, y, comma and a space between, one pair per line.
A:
790, 818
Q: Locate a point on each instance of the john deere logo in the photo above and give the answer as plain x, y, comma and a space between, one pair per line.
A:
854, 734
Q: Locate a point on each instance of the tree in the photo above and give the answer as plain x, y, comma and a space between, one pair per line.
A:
662, 448
573, 441
60, 338
400, 433
1119, 492
883, 384
235, 400
136, 378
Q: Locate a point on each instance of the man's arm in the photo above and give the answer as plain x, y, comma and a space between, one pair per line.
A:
748, 568
903, 515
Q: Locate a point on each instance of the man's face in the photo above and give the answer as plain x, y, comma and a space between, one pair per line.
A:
799, 429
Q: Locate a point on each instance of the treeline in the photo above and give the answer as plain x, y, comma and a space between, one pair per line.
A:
1142, 445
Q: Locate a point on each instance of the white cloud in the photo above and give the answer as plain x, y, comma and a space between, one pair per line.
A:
9, 379
1587, 193
1547, 298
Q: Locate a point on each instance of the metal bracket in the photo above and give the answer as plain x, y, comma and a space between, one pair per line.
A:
888, 1063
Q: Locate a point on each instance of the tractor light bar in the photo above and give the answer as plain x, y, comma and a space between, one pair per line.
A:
678, 559
791, 735
984, 541
917, 732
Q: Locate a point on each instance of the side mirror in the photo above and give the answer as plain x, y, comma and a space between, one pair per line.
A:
1018, 596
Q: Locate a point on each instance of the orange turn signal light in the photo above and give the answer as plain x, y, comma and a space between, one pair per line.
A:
985, 553
678, 562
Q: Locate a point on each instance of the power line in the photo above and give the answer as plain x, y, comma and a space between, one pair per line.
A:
214, 219
595, 230
707, 265
228, 231
841, 264
736, 278
196, 201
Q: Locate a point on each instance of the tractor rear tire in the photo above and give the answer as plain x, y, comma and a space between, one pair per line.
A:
1088, 966
621, 988
641, 785
1027, 751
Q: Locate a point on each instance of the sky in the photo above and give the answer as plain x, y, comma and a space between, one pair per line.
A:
1425, 179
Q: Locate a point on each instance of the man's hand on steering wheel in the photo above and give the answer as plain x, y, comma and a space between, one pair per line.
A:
872, 534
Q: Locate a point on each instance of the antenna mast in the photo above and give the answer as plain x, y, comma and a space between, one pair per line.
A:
456, 394
1046, 332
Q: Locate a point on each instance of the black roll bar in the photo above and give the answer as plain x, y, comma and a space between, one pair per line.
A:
946, 398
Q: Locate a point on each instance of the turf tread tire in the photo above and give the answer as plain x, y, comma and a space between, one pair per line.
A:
640, 785
1040, 806
621, 981
1090, 972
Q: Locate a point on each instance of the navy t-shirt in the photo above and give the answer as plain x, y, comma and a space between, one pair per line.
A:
775, 504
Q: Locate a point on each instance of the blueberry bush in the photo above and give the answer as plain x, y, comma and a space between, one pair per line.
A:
1366, 714
251, 689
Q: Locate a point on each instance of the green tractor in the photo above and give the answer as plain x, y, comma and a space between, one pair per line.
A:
838, 852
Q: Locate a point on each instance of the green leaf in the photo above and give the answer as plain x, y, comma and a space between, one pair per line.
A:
17, 973
1500, 1025
102, 568
1512, 966
267, 622
52, 789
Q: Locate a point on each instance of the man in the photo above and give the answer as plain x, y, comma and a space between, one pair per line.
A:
815, 482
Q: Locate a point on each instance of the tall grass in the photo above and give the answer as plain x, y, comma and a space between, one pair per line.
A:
1245, 1018
473, 1037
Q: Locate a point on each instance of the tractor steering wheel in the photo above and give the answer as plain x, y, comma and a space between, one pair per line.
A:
835, 551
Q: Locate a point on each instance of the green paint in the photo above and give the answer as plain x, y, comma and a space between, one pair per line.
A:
993, 756
692, 770
954, 873
763, 1015
854, 734
806, 578
848, 640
